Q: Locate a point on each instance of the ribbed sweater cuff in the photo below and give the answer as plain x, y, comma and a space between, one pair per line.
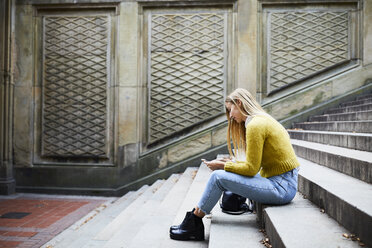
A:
229, 166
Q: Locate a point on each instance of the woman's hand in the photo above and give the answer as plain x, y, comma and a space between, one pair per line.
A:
214, 164
225, 159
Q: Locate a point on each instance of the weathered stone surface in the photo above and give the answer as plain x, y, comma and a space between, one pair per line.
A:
367, 36
22, 126
130, 154
190, 148
300, 46
23, 81
219, 136
127, 115
7, 182
163, 160
129, 85
23, 57
128, 44
186, 69
75, 83
352, 80
247, 61
297, 102
319, 63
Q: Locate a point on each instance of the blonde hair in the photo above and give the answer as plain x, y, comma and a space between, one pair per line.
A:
236, 131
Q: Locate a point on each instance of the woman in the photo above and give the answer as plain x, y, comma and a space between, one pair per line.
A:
267, 174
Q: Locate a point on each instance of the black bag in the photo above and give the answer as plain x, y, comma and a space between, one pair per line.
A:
235, 204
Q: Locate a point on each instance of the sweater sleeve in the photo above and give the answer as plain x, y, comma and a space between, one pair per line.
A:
255, 139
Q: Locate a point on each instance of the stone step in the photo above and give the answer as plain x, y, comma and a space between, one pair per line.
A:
157, 227
357, 102
129, 228
364, 97
337, 126
87, 227
226, 230
189, 202
106, 217
352, 116
302, 224
358, 141
357, 164
344, 198
364, 107
116, 224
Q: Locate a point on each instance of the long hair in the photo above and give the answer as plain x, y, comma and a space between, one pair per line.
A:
236, 131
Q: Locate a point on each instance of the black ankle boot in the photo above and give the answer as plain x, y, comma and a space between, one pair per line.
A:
191, 228
178, 226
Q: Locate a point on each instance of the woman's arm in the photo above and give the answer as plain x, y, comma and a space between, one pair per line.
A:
255, 140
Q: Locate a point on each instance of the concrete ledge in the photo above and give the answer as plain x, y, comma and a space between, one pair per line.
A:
337, 126
366, 100
364, 107
226, 230
301, 224
357, 164
364, 97
47, 173
259, 208
346, 199
353, 116
358, 141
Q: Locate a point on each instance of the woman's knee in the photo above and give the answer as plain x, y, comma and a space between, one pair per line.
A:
217, 175
214, 177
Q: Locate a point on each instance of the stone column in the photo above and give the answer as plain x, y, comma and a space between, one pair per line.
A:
7, 182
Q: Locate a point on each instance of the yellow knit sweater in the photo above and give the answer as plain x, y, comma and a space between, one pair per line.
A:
268, 149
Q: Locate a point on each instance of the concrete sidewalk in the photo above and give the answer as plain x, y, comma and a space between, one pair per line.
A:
30, 220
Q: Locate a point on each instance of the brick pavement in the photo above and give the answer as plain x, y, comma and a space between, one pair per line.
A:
30, 220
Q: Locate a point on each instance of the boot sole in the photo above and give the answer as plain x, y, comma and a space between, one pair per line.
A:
233, 212
186, 237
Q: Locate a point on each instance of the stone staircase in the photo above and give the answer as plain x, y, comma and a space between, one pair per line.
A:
335, 151
332, 209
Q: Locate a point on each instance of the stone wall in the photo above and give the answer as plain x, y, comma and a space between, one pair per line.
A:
109, 95
7, 182
303, 45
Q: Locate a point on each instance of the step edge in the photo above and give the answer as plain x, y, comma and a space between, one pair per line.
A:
358, 185
340, 151
278, 240
186, 177
153, 201
105, 234
351, 209
347, 113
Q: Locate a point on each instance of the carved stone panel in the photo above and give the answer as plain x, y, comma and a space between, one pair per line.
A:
301, 44
75, 84
186, 70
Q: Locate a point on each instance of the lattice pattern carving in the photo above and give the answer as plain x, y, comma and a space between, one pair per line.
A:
75, 53
187, 71
303, 43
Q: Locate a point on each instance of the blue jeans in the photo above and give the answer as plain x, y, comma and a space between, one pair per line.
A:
275, 190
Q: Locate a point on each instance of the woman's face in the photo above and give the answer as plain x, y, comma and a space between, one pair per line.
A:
234, 112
